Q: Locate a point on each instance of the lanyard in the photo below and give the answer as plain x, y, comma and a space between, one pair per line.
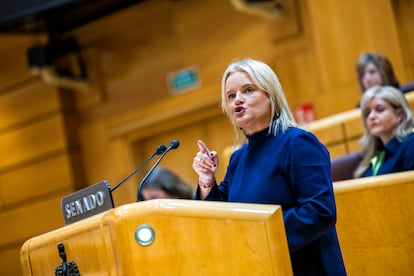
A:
377, 161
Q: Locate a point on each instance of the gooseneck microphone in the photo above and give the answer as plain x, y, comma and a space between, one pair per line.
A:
173, 145
160, 150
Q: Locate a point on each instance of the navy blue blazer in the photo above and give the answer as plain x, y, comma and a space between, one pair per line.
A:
291, 169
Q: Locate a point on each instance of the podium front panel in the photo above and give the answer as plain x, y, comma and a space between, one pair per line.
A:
189, 238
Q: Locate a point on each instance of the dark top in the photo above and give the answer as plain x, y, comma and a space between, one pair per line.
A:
407, 87
293, 170
399, 156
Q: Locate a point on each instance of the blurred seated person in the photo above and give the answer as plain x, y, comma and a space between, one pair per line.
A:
375, 70
163, 183
387, 145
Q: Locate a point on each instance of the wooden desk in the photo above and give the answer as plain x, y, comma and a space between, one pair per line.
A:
375, 224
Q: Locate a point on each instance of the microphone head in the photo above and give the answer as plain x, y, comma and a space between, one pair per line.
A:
174, 144
161, 149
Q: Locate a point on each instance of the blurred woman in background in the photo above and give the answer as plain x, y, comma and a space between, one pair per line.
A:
375, 70
387, 145
163, 183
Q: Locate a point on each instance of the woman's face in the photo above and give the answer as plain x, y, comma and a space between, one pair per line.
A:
371, 76
382, 119
247, 106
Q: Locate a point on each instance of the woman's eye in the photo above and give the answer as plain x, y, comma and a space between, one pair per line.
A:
231, 96
367, 112
249, 90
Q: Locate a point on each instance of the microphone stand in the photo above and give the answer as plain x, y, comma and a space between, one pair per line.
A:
160, 150
173, 145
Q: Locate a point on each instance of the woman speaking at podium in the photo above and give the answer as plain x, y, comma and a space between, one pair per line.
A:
280, 164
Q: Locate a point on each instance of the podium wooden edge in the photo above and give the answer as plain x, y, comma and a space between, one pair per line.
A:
358, 184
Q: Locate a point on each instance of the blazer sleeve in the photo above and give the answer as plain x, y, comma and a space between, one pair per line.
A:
309, 170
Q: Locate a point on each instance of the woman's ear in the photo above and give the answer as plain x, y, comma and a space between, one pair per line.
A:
400, 115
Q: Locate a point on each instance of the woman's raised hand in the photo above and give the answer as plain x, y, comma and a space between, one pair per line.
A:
205, 165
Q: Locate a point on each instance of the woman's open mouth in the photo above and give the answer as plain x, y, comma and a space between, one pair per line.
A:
238, 110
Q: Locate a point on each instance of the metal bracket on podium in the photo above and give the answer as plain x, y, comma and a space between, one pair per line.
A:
66, 268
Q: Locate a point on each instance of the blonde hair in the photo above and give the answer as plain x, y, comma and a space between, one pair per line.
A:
371, 144
265, 79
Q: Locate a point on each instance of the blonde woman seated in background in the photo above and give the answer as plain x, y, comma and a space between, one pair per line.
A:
387, 145
163, 183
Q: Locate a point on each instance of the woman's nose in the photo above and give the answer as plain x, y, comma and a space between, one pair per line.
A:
371, 114
239, 97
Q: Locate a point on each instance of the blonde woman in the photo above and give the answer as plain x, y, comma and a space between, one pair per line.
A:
280, 164
387, 145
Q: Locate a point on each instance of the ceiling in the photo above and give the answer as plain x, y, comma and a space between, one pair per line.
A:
60, 16
54, 16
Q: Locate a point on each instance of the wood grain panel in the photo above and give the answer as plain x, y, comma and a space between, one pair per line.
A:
44, 257
332, 34
31, 219
30, 142
353, 145
106, 244
354, 127
167, 113
13, 52
375, 224
37, 180
336, 132
175, 34
340, 32
328, 134
337, 150
26, 103
405, 21
10, 261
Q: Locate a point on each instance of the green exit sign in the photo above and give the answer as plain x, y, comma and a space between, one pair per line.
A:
184, 80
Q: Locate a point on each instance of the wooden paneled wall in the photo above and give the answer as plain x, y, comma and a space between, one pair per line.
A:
40, 157
128, 110
131, 110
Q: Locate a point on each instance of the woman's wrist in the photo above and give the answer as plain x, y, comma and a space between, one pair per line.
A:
206, 184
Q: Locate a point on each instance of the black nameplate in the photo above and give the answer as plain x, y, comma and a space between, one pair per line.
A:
87, 202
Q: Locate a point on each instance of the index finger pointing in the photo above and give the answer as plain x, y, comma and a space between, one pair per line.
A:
203, 148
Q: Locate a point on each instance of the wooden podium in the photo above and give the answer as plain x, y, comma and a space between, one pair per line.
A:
168, 237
